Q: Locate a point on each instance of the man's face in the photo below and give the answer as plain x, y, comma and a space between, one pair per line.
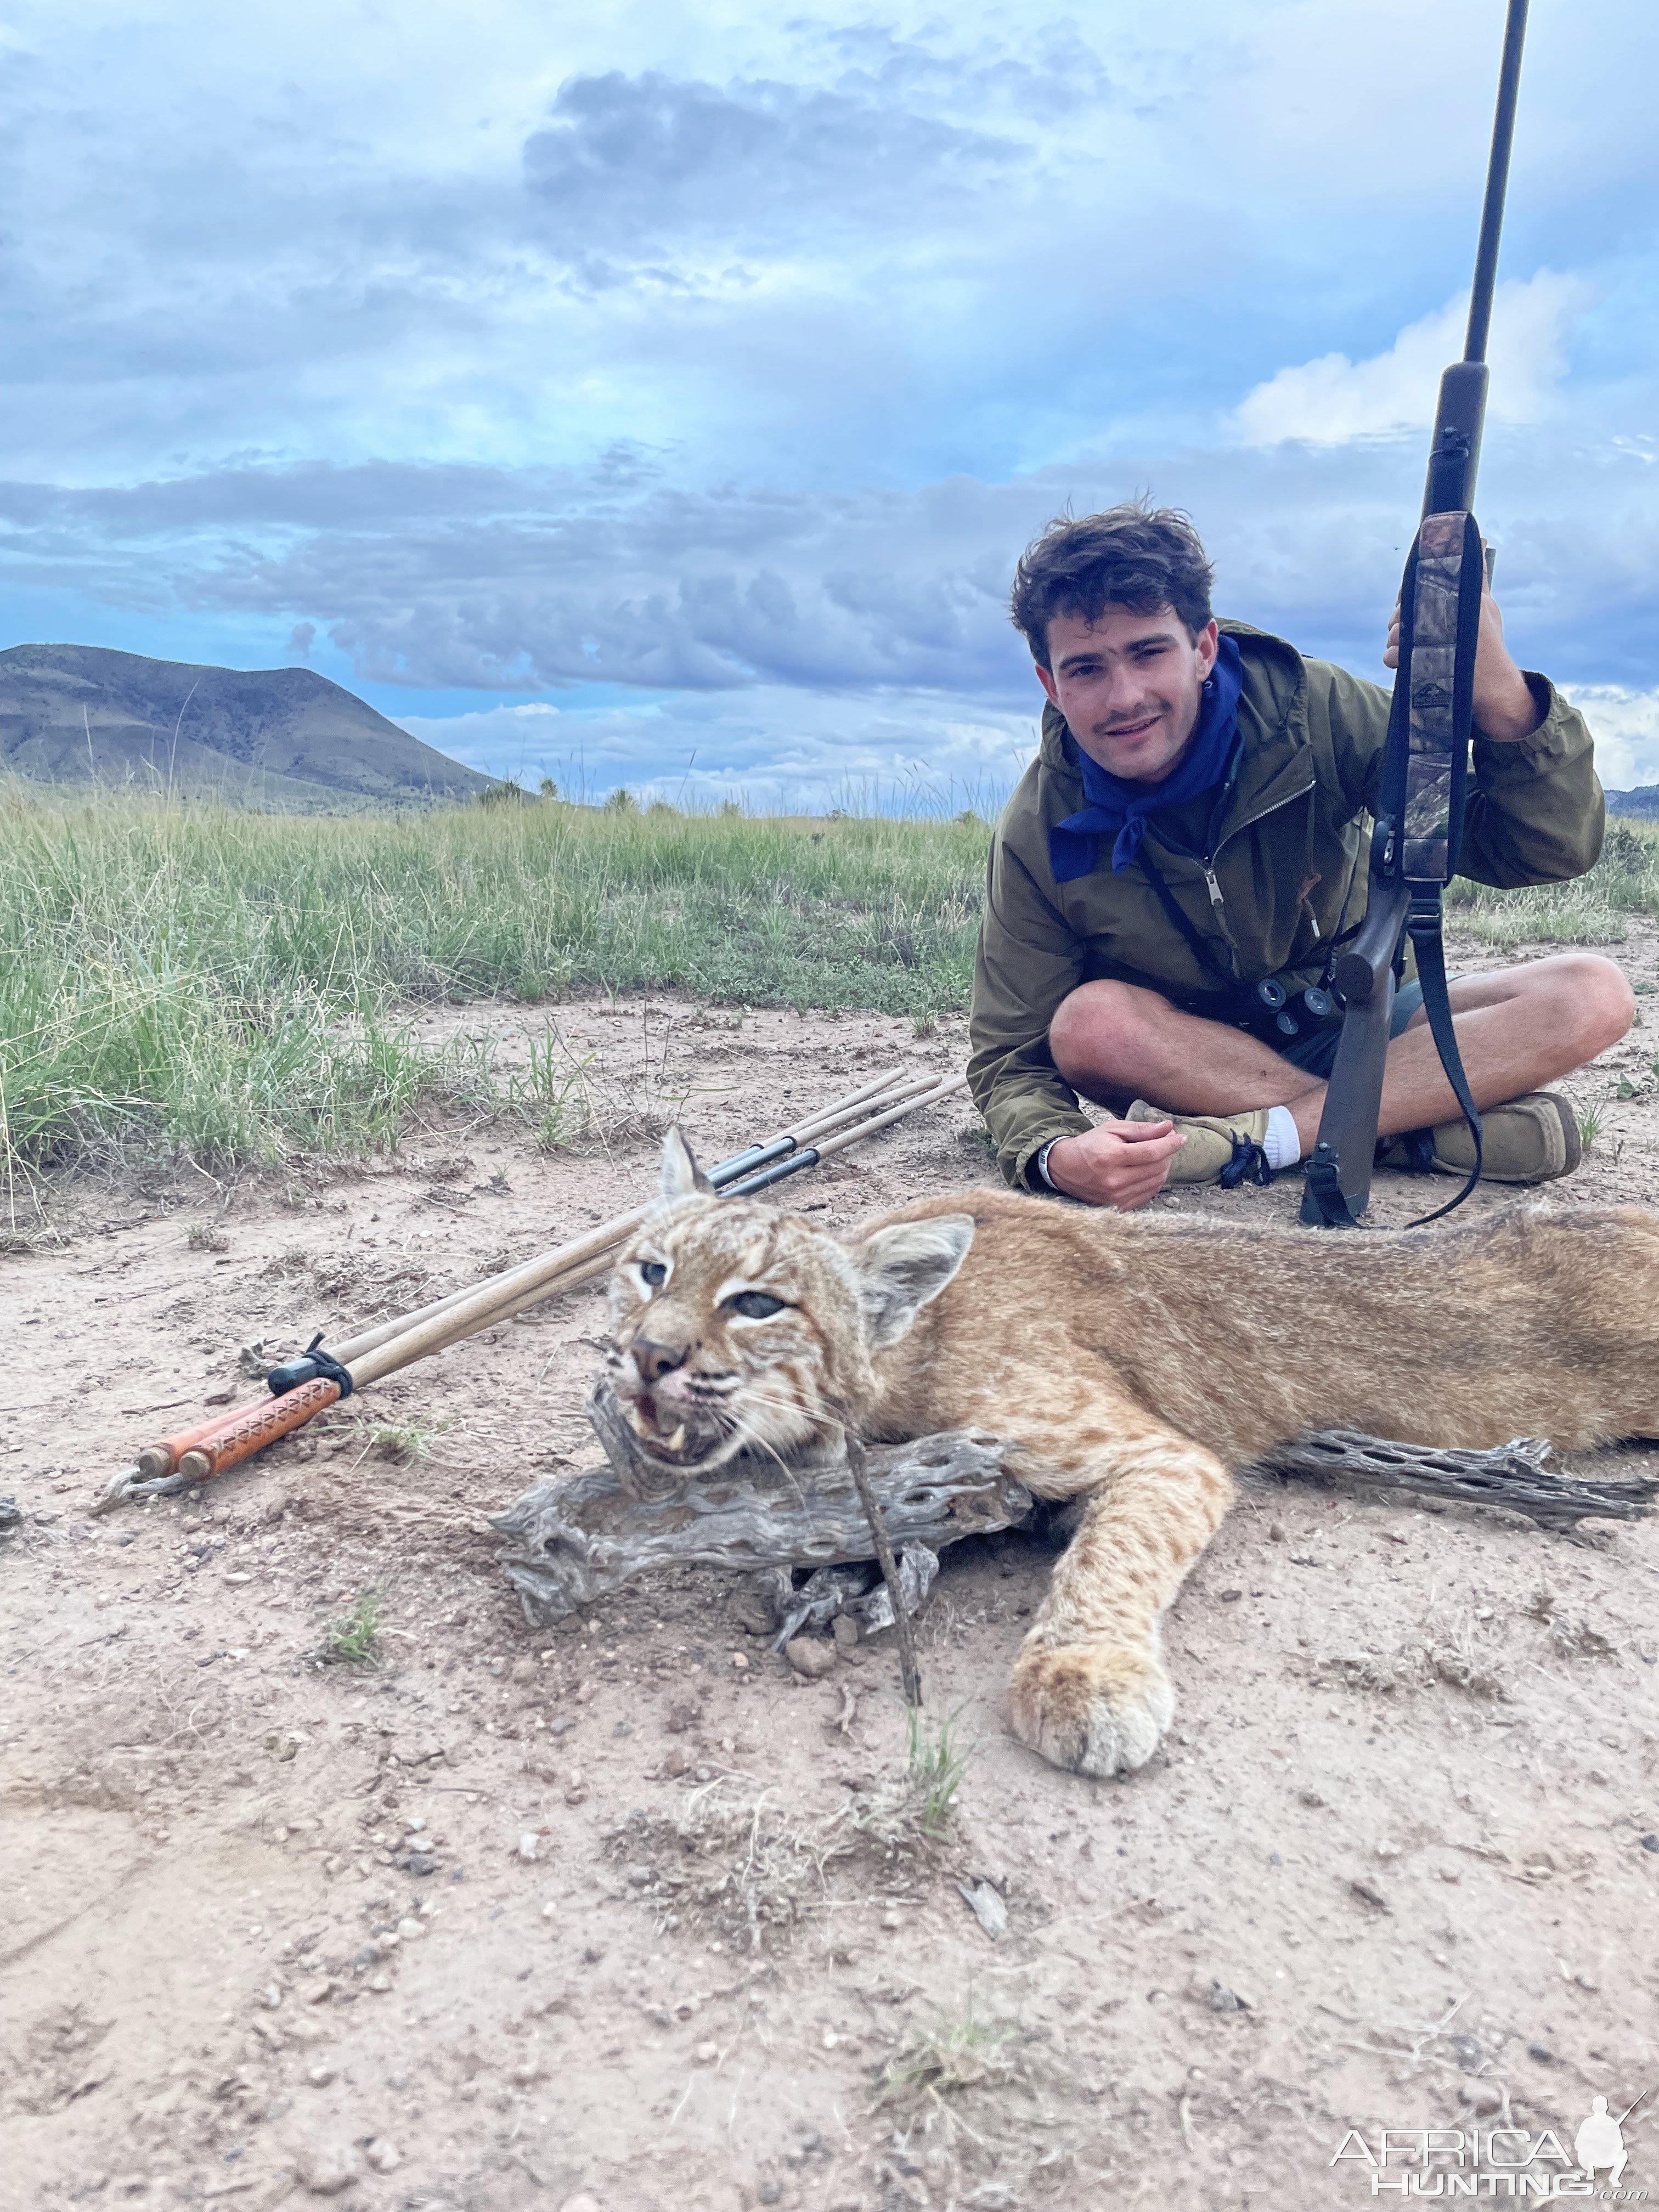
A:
1128, 686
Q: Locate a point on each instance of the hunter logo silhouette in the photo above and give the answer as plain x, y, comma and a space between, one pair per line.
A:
1599, 2141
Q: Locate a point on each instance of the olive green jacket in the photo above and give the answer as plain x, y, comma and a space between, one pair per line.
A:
1285, 868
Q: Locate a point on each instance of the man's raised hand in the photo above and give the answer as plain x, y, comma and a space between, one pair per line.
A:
1120, 1163
1506, 707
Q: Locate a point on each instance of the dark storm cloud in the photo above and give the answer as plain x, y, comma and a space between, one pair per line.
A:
633, 166
732, 362
615, 574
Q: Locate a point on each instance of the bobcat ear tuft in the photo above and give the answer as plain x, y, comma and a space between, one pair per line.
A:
681, 1175
904, 1268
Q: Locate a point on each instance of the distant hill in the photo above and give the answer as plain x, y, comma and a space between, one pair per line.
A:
1644, 799
283, 738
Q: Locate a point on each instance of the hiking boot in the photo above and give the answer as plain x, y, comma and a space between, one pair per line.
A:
1224, 1149
1533, 1139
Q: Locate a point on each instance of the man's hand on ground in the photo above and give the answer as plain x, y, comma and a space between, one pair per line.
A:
1121, 1164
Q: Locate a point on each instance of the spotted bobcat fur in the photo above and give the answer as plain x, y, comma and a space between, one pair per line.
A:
1136, 1360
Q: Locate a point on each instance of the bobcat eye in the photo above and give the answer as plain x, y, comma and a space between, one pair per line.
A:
754, 1305
652, 1273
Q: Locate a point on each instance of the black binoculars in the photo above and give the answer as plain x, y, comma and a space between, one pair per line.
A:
1311, 1006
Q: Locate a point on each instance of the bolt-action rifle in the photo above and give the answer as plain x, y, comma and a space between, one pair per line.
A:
1420, 818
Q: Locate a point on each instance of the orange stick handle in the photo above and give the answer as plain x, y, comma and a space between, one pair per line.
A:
239, 1436
163, 1458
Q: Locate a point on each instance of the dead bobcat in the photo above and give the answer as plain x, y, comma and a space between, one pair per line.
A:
1138, 1360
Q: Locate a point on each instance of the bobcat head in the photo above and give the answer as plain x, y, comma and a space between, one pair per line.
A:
735, 1325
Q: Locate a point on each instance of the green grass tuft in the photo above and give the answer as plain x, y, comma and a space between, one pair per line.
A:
948, 2056
936, 1763
350, 1642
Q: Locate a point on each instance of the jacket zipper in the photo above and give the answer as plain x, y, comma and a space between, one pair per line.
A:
1208, 866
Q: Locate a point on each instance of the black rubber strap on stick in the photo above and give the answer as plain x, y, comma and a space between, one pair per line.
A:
314, 1365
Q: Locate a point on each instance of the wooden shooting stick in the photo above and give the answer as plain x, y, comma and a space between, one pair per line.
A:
210, 1448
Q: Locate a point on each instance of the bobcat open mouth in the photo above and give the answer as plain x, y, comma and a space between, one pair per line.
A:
682, 1444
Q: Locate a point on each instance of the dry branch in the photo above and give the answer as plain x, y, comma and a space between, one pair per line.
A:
1514, 1475
579, 1539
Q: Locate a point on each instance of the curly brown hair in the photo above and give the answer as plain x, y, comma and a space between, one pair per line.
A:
1135, 555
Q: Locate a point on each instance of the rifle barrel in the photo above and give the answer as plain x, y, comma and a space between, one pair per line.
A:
1497, 178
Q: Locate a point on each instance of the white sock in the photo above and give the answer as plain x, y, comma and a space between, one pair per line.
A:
1282, 1145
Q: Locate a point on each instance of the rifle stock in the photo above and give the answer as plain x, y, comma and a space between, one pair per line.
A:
1360, 972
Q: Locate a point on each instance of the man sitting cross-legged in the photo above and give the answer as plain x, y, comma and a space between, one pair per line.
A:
1168, 879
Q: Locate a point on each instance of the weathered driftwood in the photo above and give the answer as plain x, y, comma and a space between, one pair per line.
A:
578, 1538
1514, 1475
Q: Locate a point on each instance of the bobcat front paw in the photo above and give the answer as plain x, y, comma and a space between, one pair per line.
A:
1096, 1708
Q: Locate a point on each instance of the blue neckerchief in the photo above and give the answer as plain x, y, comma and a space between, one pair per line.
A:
1118, 809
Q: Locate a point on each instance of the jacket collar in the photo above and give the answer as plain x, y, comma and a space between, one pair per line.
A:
1275, 761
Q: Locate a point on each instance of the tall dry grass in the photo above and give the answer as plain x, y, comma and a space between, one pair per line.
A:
185, 977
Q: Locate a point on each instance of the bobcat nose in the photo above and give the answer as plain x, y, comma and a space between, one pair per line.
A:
654, 1360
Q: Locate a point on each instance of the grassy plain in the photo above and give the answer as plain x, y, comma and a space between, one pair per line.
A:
186, 978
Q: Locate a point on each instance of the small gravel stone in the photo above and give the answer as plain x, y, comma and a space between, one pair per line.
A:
319, 2076
706, 2054
385, 2157
529, 1847
845, 1630
410, 1927
810, 1656
379, 1983
676, 1763
524, 1670
752, 1614
325, 2168
582, 2201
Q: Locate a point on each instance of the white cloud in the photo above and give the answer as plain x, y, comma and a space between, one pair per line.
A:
771, 746
1625, 725
1333, 399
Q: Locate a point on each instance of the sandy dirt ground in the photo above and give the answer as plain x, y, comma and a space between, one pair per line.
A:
592, 1918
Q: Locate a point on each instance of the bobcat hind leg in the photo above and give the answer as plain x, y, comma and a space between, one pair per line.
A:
1089, 1689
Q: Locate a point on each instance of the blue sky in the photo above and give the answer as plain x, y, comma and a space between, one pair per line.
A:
663, 399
